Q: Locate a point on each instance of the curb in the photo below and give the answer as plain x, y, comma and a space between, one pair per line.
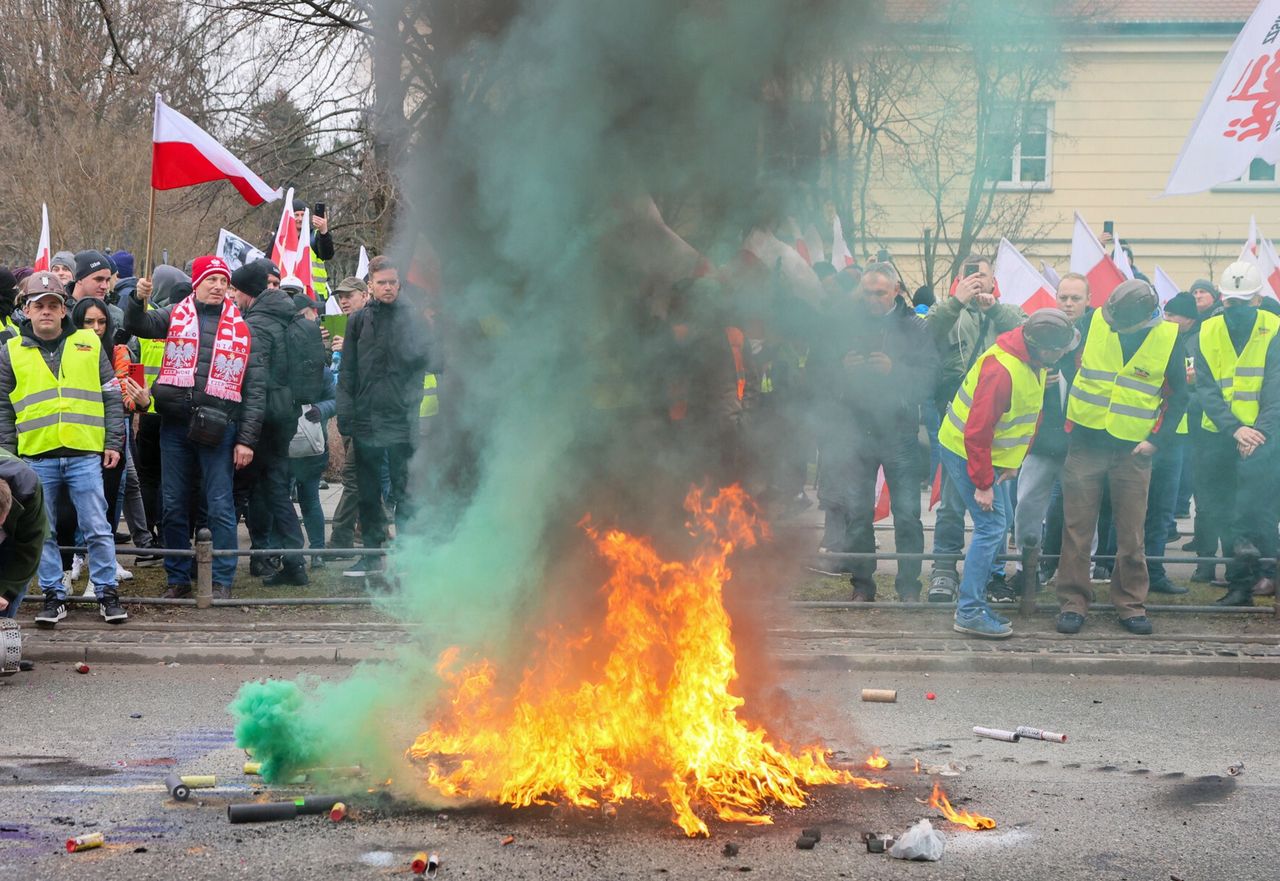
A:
228, 655
995, 662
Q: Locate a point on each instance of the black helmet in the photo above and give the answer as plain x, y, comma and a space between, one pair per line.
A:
1050, 329
1131, 303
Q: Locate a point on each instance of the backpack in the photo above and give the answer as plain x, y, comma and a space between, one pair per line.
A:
306, 360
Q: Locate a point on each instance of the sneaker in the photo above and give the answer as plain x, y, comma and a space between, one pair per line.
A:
77, 567
262, 567
1189, 545
999, 590
221, 592
1164, 585
317, 563
54, 610
1070, 622
1003, 619
1101, 574
365, 567
177, 592
982, 625
324, 484
291, 577
123, 574
1204, 574
110, 608
943, 587
1138, 624
147, 560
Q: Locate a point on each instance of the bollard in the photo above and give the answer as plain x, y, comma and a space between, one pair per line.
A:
1030, 577
204, 569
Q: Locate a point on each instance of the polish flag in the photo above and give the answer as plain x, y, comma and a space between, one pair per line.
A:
1090, 260
1050, 274
291, 249
882, 498
841, 256
1165, 287
1019, 283
362, 265
183, 155
43, 252
1121, 257
1260, 251
935, 491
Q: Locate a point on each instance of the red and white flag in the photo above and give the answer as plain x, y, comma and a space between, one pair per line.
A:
44, 255
183, 155
1018, 281
291, 249
1237, 122
1121, 257
1259, 250
1090, 260
841, 256
882, 498
1165, 287
1050, 274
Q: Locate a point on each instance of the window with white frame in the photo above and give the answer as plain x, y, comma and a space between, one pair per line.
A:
1029, 140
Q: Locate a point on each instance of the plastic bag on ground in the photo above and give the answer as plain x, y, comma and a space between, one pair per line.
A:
920, 842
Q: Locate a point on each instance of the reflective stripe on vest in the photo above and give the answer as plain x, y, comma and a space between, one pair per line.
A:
736, 341
1015, 428
151, 356
64, 411
1239, 376
430, 405
319, 278
1118, 398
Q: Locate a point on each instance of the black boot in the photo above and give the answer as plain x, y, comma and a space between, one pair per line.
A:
295, 576
1238, 594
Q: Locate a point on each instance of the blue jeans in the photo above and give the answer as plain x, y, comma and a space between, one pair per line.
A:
307, 471
178, 457
1162, 496
989, 528
82, 476
948, 524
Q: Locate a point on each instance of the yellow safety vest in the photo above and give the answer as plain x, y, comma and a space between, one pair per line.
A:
1239, 377
64, 411
1016, 428
319, 278
151, 355
430, 405
1118, 398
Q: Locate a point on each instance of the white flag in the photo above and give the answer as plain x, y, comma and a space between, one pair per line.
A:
362, 267
1121, 257
1165, 286
1050, 274
1258, 250
841, 256
1237, 122
235, 250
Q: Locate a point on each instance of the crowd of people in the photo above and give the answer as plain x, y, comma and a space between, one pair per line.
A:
196, 399
200, 398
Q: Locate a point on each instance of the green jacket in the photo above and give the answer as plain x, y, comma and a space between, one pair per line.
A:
24, 529
962, 333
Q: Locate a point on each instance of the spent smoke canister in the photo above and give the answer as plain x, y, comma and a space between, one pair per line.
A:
199, 781
315, 804
996, 733
880, 695
262, 812
85, 842
1039, 734
178, 789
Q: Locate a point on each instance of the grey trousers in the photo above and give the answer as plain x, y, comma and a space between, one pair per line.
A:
1035, 488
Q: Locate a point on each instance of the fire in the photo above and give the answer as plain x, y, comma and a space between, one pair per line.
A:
875, 761
974, 821
917, 768
654, 718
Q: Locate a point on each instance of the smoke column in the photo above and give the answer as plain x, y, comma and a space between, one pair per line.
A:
537, 191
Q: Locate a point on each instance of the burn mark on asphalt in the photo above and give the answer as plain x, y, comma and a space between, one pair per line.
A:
1200, 792
21, 769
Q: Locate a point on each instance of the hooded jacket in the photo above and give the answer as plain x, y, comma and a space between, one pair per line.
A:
268, 317
992, 397
385, 354
176, 404
25, 527
170, 285
113, 406
962, 333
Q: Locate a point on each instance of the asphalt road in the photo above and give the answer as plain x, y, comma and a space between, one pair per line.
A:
1139, 791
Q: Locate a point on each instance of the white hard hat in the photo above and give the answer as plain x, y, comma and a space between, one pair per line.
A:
1241, 280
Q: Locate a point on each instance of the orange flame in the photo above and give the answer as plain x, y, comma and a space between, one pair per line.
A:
875, 761
974, 821
654, 719
917, 768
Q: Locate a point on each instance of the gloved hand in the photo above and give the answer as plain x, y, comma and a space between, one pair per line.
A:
313, 414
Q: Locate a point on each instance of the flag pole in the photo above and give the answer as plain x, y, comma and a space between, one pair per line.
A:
151, 226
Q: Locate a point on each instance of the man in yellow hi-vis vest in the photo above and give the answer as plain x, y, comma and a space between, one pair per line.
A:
1238, 386
1125, 403
985, 434
60, 410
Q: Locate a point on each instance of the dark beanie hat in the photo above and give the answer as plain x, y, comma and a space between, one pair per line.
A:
124, 263
1203, 284
250, 279
89, 262
302, 301
1182, 303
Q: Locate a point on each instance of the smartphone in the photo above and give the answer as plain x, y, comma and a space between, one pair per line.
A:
320, 209
138, 374
1109, 227
882, 256
971, 269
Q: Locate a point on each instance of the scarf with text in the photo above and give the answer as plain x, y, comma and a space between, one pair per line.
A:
230, 357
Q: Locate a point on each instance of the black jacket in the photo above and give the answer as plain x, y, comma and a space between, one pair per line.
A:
268, 318
175, 404
25, 527
385, 354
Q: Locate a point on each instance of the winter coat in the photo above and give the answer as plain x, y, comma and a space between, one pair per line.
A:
176, 404
268, 317
113, 407
385, 354
962, 333
24, 529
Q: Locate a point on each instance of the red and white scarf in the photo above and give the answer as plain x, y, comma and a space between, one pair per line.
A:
230, 356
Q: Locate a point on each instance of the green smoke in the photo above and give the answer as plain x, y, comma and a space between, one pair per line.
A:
532, 179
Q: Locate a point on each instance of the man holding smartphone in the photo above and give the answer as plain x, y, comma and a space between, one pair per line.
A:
963, 326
